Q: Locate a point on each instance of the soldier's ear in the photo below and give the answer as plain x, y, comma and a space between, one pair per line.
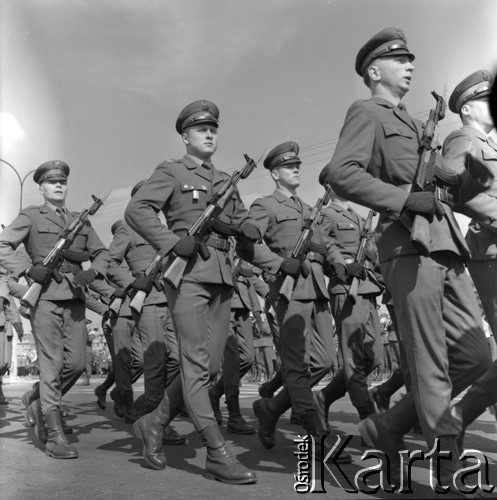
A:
465, 109
374, 73
184, 138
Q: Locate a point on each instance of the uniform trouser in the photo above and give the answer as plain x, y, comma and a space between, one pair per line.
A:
358, 331
441, 332
264, 359
111, 377
201, 318
88, 362
483, 392
305, 352
151, 326
5, 351
59, 328
238, 355
128, 354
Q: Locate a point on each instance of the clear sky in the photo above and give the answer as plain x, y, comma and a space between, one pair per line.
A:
99, 83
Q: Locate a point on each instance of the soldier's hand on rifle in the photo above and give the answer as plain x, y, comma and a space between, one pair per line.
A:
186, 246
39, 273
143, 283
19, 330
119, 293
85, 277
291, 267
423, 203
356, 270
341, 272
249, 231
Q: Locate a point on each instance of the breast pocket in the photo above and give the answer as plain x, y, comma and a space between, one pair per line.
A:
346, 232
288, 225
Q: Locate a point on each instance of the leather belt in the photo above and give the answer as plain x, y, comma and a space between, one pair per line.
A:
67, 267
218, 242
311, 256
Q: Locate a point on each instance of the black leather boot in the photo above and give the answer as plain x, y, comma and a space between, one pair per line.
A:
216, 407
65, 426
236, 423
119, 407
269, 387
150, 429
170, 436
267, 422
101, 394
41, 431
57, 445
220, 463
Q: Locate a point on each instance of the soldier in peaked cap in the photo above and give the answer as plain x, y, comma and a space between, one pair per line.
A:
200, 306
58, 319
305, 321
373, 165
470, 99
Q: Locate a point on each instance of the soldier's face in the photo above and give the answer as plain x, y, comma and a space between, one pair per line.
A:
288, 176
54, 191
201, 140
394, 73
480, 112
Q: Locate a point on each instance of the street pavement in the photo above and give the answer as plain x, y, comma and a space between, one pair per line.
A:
111, 466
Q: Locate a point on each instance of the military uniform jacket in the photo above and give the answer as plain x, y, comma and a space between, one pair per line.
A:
281, 221
181, 189
456, 150
374, 164
8, 312
130, 247
39, 228
344, 226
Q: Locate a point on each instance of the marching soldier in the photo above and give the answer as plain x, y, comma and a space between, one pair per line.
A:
153, 325
357, 324
239, 351
305, 322
470, 100
200, 306
374, 165
58, 319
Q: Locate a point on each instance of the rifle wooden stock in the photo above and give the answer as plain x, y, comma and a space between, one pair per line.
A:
30, 298
286, 289
420, 235
175, 271
116, 304
353, 290
138, 300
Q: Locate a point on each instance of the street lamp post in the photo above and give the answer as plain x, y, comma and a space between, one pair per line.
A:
14, 340
21, 179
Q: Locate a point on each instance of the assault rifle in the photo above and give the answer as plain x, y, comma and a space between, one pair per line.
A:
53, 259
424, 180
361, 253
201, 226
302, 246
140, 296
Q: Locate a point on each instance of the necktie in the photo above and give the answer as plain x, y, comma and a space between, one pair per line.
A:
60, 212
402, 107
296, 200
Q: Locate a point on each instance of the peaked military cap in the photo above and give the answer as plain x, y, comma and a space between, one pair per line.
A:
137, 187
284, 154
474, 86
116, 226
388, 42
195, 113
53, 170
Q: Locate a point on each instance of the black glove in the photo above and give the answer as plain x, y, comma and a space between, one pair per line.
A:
143, 283
84, 278
423, 203
356, 270
19, 330
119, 293
249, 231
186, 246
39, 273
291, 267
341, 272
